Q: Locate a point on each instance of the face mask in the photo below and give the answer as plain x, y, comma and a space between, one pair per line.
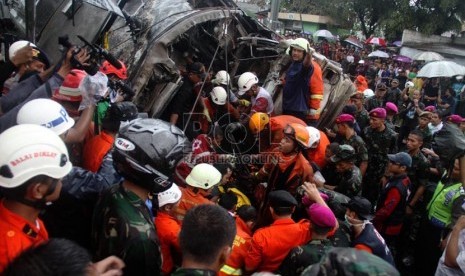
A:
346, 220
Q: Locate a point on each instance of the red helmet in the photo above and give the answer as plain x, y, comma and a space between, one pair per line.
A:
107, 69
69, 89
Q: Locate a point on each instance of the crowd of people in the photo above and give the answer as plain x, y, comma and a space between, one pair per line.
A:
221, 184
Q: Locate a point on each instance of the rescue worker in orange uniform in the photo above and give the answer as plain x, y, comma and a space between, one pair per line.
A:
317, 89
288, 168
245, 219
168, 228
33, 161
218, 109
200, 182
317, 144
270, 245
98, 146
270, 129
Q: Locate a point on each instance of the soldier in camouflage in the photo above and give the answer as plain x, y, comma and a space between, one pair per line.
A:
361, 114
350, 261
122, 224
349, 177
380, 141
206, 239
346, 136
322, 221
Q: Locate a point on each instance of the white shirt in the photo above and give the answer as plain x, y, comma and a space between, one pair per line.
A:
444, 270
433, 128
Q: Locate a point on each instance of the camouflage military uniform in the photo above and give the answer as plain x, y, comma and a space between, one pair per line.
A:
359, 146
373, 102
122, 226
302, 256
378, 144
350, 261
427, 136
193, 272
350, 182
362, 118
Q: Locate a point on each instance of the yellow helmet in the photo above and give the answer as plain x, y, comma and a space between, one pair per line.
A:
258, 121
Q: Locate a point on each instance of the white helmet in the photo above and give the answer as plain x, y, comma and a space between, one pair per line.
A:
409, 84
203, 176
219, 95
300, 43
16, 46
222, 77
47, 113
29, 151
314, 137
172, 195
245, 82
368, 93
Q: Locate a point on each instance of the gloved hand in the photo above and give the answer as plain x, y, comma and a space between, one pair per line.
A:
93, 88
207, 115
245, 103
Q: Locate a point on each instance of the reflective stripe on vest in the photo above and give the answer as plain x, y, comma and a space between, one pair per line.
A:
440, 206
231, 270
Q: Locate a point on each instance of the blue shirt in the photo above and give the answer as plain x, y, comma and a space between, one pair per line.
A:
296, 89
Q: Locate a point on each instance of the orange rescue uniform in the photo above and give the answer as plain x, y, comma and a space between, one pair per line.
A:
317, 154
316, 91
270, 245
17, 234
168, 229
189, 200
241, 245
95, 149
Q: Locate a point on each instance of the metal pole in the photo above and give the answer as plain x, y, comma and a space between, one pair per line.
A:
31, 20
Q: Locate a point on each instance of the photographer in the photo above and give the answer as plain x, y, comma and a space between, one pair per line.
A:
45, 90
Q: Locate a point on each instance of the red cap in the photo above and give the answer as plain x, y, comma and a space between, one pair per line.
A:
345, 118
391, 107
69, 89
378, 113
456, 119
321, 215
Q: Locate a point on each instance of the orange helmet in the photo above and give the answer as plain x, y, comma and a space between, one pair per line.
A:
298, 133
107, 69
258, 121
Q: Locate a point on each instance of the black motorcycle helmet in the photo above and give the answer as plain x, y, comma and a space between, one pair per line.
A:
146, 152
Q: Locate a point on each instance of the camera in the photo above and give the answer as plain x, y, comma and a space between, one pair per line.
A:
96, 53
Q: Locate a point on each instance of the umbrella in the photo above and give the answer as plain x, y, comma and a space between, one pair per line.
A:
354, 41
376, 41
323, 33
428, 56
403, 59
441, 68
379, 54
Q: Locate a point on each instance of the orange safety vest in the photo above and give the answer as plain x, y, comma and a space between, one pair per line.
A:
318, 154
189, 200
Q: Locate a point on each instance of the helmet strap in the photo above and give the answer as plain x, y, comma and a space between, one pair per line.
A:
42, 203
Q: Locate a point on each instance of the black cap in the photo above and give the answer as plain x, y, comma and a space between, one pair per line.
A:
41, 56
122, 111
281, 198
361, 206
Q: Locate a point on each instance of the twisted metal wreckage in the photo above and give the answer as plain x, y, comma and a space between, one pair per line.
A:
154, 38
